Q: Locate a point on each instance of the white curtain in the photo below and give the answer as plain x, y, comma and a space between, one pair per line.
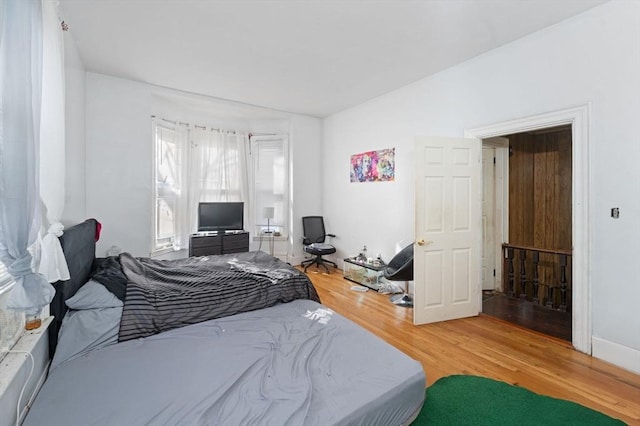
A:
182, 189
20, 102
217, 171
53, 264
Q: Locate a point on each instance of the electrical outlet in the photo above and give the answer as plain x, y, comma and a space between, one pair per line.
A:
615, 212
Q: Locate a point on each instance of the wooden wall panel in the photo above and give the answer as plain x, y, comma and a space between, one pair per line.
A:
540, 190
540, 197
521, 201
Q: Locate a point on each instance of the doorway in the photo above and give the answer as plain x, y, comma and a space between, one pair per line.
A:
535, 252
578, 118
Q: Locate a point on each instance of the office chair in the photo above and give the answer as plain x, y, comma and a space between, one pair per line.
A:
400, 268
313, 243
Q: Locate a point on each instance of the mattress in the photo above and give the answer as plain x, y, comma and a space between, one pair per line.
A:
297, 363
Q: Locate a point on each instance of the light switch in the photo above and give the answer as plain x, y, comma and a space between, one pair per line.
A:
615, 212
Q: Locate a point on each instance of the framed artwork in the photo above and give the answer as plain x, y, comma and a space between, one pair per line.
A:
373, 166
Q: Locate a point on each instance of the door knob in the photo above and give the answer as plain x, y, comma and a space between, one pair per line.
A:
424, 243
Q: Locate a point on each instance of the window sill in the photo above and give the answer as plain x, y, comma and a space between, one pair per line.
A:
15, 357
161, 252
27, 341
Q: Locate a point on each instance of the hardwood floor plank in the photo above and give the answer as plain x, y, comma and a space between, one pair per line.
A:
489, 347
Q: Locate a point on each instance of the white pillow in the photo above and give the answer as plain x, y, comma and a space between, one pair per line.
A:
93, 295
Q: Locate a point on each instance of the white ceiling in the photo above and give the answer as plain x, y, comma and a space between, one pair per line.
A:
311, 57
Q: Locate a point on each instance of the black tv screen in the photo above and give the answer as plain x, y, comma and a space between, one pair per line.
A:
220, 216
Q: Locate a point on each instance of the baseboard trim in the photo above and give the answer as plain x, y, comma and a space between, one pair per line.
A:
622, 356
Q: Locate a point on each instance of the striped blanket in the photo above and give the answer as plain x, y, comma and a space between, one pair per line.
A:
166, 294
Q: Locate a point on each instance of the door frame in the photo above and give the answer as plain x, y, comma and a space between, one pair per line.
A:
489, 234
578, 117
501, 201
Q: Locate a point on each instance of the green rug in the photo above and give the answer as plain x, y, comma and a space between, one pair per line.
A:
472, 400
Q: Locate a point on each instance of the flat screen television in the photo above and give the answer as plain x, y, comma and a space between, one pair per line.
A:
219, 216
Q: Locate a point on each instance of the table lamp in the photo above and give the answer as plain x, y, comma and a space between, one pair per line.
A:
268, 213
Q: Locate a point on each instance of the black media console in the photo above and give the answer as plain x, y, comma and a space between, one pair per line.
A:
211, 243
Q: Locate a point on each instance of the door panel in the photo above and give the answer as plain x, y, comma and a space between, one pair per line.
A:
448, 233
433, 267
461, 278
434, 219
461, 201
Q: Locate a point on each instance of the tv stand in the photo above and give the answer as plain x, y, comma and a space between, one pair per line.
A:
213, 243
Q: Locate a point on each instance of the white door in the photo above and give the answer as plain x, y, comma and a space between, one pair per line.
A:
448, 229
488, 223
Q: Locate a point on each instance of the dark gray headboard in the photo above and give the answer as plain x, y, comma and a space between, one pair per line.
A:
79, 247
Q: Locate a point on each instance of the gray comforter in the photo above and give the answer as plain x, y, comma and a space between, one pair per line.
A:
296, 363
165, 294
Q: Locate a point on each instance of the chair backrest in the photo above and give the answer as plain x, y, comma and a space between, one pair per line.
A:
400, 267
313, 229
402, 257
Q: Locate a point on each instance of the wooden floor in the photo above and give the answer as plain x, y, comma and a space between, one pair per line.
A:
488, 347
527, 314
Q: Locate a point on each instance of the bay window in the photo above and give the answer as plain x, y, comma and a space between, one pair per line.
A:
194, 164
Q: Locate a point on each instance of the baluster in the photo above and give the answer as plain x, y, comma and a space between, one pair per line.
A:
549, 303
523, 275
563, 283
536, 281
510, 273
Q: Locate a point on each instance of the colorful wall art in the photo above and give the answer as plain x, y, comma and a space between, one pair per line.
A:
373, 166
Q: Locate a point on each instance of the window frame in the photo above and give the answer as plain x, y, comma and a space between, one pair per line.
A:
256, 208
159, 249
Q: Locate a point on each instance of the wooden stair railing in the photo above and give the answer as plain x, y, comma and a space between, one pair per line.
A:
555, 292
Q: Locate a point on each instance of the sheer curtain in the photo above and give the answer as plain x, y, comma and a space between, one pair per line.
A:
20, 103
218, 171
53, 265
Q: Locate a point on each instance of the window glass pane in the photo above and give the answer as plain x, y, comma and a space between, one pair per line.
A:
270, 182
168, 179
219, 164
5, 278
11, 325
11, 322
165, 218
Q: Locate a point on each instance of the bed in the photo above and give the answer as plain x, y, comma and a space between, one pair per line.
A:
291, 362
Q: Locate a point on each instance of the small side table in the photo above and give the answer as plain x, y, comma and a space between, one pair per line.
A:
363, 273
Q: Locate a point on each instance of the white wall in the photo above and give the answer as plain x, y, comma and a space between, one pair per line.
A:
118, 162
591, 58
306, 183
74, 211
119, 153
